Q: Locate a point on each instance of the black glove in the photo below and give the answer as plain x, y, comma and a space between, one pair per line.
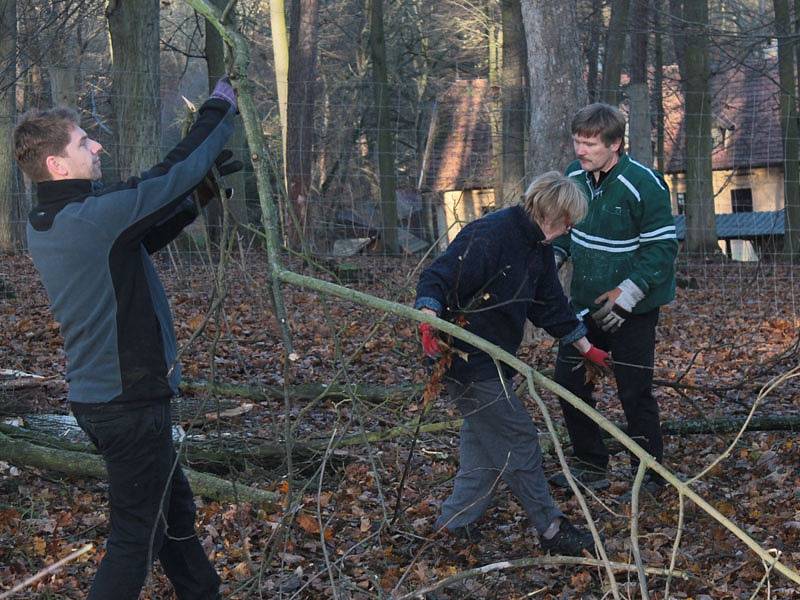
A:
211, 187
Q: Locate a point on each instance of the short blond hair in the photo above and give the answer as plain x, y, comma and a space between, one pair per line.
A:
553, 195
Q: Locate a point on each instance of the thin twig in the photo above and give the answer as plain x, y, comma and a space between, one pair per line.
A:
47, 571
677, 543
637, 553
528, 562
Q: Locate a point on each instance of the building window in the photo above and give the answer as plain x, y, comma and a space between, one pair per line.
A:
680, 200
742, 200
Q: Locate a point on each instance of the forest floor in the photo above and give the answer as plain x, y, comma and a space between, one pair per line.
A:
723, 340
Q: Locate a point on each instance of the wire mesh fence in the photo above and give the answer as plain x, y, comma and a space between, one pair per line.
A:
732, 326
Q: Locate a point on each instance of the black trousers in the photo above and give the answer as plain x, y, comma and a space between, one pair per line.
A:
152, 507
634, 344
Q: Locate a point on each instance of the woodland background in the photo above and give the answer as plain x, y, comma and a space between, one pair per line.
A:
345, 92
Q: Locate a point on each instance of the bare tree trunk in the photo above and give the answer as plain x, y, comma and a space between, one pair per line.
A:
791, 152
385, 137
641, 146
556, 87
215, 60
592, 50
64, 70
494, 35
658, 85
615, 48
133, 26
8, 177
512, 88
701, 232
304, 34
280, 50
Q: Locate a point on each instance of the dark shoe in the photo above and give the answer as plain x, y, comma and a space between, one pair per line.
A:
468, 533
594, 479
652, 486
568, 541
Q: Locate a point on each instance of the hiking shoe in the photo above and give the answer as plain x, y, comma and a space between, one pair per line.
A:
594, 479
652, 486
568, 541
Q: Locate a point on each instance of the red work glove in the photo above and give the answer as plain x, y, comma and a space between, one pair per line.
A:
430, 340
598, 357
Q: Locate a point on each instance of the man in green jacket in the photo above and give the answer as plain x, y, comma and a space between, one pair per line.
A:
623, 255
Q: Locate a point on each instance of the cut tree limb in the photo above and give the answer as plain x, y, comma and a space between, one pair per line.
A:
306, 391
23, 453
536, 379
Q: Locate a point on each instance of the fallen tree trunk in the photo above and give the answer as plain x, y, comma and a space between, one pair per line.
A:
306, 391
23, 453
198, 453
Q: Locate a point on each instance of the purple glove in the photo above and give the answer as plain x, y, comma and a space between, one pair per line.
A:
224, 91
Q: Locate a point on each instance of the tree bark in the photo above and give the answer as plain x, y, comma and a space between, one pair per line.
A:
133, 26
384, 136
788, 107
658, 84
641, 145
280, 51
82, 464
615, 49
556, 87
494, 35
215, 61
701, 232
8, 174
512, 90
304, 34
592, 49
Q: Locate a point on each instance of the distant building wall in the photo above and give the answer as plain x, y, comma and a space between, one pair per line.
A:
459, 207
765, 185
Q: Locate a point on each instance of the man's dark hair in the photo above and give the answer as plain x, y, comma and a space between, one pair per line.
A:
42, 133
603, 120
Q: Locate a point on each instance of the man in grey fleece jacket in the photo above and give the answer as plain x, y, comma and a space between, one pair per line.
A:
91, 247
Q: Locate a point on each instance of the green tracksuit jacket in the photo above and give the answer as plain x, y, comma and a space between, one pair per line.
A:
628, 233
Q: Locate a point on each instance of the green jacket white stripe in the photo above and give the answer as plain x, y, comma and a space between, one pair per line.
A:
628, 233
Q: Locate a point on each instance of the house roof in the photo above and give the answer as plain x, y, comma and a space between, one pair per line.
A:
745, 124
741, 225
745, 118
461, 145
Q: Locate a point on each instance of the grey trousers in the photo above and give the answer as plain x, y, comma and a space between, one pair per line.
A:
498, 440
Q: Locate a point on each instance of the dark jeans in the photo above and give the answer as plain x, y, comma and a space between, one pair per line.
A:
152, 508
634, 344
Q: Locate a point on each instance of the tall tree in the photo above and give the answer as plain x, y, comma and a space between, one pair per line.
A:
512, 90
280, 50
701, 231
592, 48
133, 27
641, 147
63, 67
614, 50
304, 34
556, 87
215, 61
8, 76
788, 104
384, 135
658, 84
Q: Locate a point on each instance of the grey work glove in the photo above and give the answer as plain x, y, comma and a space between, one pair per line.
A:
617, 305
